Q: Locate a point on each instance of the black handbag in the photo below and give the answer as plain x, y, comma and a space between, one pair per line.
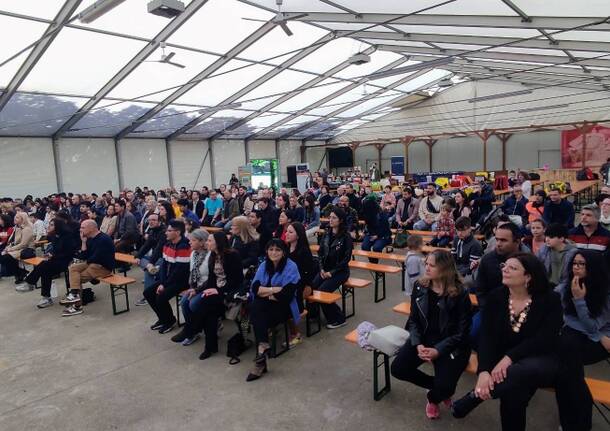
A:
236, 346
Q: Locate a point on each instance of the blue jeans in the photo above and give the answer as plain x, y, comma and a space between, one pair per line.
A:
475, 330
422, 225
378, 245
149, 279
202, 313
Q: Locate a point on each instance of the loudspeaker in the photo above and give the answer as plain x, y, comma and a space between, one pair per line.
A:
291, 173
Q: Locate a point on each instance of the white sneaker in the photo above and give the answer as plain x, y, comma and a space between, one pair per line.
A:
189, 341
24, 287
70, 298
44, 302
72, 311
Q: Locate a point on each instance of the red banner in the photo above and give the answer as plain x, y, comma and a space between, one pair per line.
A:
597, 148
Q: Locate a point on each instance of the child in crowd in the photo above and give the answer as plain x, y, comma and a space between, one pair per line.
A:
536, 239
466, 249
556, 252
414, 262
445, 228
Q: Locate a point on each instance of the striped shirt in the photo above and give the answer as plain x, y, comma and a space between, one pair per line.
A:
599, 240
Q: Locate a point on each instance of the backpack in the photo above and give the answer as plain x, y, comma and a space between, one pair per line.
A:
400, 240
584, 174
236, 345
87, 296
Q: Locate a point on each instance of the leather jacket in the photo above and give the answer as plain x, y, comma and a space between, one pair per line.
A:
454, 315
335, 252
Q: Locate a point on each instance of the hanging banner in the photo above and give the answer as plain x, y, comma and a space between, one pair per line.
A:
398, 165
597, 148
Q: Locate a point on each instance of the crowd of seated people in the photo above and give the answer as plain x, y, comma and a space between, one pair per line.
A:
545, 276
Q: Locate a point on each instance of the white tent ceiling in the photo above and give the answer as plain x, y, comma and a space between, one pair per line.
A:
248, 79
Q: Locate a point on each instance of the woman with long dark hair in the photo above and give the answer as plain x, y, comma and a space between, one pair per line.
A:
438, 325
334, 255
166, 212
585, 337
59, 255
274, 290
517, 349
462, 205
225, 277
300, 253
378, 233
285, 218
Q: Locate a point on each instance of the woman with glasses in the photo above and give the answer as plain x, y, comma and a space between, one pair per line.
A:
585, 337
517, 349
274, 290
334, 255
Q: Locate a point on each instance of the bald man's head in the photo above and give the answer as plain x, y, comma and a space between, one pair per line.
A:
88, 228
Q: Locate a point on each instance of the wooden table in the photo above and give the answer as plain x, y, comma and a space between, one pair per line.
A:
125, 258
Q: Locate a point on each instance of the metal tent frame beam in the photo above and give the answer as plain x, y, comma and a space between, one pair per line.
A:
360, 101
207, 72
546, 22
326, 99
248, 88
174, 25
60, 20
309, 84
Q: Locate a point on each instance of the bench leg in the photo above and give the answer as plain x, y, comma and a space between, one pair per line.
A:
178, 298
385, 363
113, 291
308, 324
601, 412
274, 342
404, 271
345, 292
378, 276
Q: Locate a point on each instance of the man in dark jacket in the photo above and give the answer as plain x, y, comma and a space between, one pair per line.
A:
481, 200
97, 252
126, 234
151, 251
558, 210
173, 277
256, 220
514, 205
270, 216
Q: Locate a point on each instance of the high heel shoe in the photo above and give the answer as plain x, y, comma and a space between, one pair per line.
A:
465, 405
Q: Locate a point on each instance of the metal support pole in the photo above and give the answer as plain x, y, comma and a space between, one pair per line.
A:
430, 143
119, 171
170, 169
56, 161
247, 150
406, 141
212, 170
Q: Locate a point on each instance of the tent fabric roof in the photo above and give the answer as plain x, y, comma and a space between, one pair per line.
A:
246, 79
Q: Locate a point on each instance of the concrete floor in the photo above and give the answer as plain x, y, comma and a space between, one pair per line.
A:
97, 371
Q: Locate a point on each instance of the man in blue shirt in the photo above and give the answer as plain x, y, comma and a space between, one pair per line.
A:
212, 210
183, 204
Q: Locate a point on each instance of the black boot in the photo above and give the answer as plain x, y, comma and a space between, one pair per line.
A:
465, 405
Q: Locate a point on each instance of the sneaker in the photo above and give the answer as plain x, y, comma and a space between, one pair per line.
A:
72, 311
433, 411
336, 325
156, 326
167, 328
24, 287
141, 301
44, 302
189, 341
70, 298
179, 337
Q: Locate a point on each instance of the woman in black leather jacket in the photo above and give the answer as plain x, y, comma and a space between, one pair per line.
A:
439, 325
335, 253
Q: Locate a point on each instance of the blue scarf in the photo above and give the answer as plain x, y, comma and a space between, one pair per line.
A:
290, 274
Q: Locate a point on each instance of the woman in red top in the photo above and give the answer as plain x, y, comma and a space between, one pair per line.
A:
6, 229
286, 217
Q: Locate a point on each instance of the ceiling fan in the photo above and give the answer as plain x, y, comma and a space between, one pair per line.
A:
280, 19
166, 58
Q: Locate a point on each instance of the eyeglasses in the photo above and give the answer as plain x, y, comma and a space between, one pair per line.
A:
579, 264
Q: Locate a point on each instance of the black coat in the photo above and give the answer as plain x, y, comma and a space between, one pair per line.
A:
539, 335
454, 320
335, 252
233, 271
247, 252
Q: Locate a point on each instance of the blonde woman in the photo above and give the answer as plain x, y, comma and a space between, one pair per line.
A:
21, 239
439, 326
244, 239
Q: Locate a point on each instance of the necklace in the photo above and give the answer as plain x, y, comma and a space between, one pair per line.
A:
517, 320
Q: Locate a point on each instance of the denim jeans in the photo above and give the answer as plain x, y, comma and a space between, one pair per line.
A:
378, 245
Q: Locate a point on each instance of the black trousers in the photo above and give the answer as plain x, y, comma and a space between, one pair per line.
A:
45, 271
572, 393
11, 265
523, 378
205, 317
332, 312
266, 314
160, 303
447, 372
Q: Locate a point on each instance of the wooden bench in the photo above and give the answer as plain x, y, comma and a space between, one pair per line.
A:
405, 307
118, 283
380, 359
319, 297
274, 337
379, 272
212, 229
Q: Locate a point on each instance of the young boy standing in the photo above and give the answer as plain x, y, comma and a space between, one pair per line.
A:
414, 262
466, 249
